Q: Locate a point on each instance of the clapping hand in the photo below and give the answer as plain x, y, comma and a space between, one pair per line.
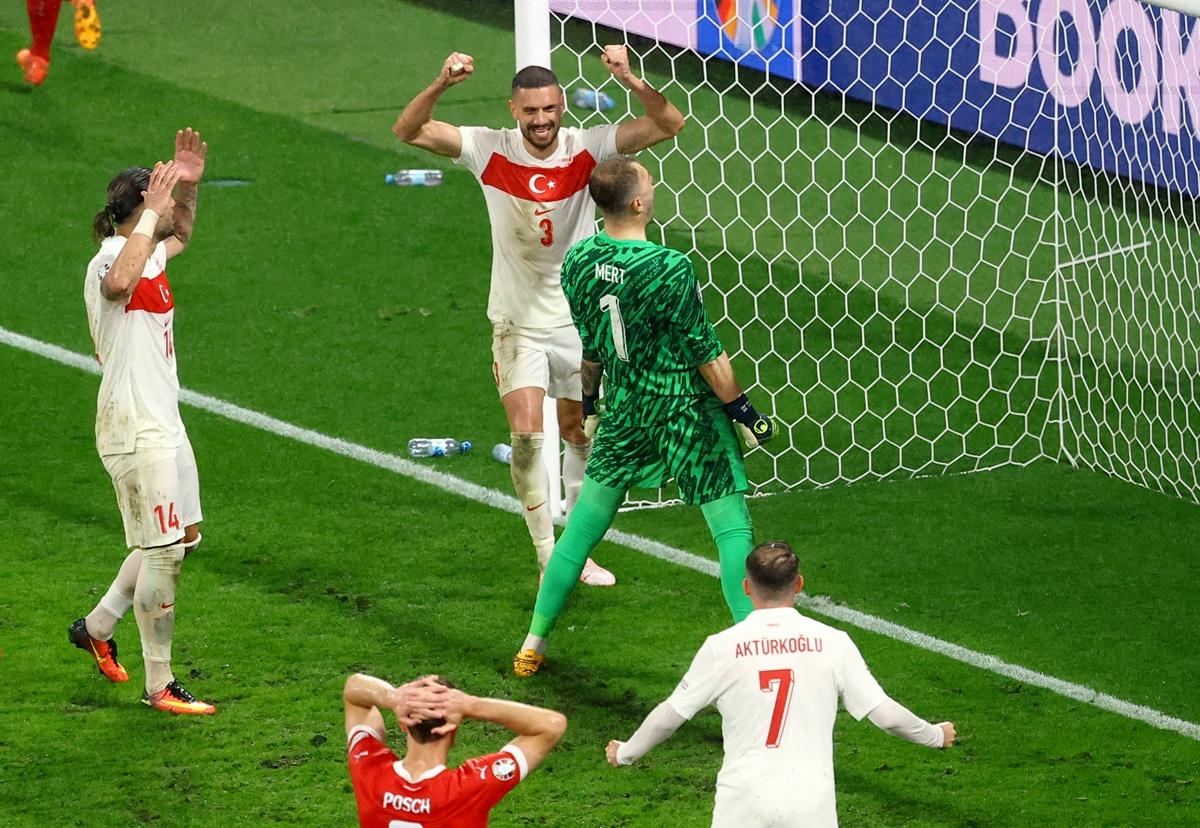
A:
190, 152
157, 195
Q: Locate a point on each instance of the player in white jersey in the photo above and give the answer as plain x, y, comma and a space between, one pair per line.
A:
534, 181
139, 434
776, 678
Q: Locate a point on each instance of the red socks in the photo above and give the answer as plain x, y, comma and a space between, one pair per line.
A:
43, 19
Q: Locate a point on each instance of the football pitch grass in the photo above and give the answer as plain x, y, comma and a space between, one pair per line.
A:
318, 296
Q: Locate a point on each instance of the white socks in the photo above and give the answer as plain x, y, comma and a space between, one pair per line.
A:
532, 485
536, 643
574, 463
102, 620
154, 608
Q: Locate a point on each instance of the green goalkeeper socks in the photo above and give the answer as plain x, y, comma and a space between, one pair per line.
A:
590, 519
729, 522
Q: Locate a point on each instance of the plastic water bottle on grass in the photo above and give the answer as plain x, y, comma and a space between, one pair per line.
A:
414, 178
502, 453
436, 447
591, 99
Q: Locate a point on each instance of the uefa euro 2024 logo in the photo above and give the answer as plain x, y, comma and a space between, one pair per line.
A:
749, 24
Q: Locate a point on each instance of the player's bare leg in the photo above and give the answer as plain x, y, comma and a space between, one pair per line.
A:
579, 449
154, 607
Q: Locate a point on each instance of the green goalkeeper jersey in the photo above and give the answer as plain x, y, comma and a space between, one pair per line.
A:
638, 310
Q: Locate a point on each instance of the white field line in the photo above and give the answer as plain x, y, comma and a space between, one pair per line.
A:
1120, 251
493, 498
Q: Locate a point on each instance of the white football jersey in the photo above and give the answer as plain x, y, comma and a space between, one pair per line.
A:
776, 678
538, 209
138, 403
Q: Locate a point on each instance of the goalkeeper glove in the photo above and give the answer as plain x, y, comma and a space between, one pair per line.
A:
753, 428
591, 415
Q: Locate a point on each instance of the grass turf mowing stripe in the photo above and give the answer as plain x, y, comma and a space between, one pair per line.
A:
495, 499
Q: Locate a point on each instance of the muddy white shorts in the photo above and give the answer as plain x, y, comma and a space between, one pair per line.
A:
546, 358
158, 492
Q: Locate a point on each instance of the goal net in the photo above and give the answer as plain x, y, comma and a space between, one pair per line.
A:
935, 238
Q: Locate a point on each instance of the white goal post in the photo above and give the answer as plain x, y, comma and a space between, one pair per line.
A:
936, 238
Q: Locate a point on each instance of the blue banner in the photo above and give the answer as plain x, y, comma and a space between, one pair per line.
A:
1113, 84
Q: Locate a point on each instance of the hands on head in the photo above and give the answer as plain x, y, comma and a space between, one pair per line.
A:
425, 699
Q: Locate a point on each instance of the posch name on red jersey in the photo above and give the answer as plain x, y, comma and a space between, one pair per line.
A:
778, 646
407, 804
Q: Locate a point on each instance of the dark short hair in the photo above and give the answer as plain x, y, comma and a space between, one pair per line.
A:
614, 183
534, 77
422, 732
772, 568
124, 195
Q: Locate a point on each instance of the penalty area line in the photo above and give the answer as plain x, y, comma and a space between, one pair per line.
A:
491, 497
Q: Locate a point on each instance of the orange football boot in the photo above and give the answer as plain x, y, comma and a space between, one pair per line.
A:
34, 67
103, 652
175, 699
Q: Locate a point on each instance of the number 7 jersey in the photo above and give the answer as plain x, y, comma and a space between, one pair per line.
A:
776, 678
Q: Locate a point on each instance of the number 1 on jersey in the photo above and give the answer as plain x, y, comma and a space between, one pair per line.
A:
780, 683
612, 305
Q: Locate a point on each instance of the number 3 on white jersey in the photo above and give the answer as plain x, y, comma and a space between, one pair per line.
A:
612, 304
780, 683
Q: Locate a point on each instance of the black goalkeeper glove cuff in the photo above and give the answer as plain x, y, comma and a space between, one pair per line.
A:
742, 411
760, 427
589, 404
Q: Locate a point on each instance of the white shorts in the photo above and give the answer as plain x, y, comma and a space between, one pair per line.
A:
545, 358
158, 492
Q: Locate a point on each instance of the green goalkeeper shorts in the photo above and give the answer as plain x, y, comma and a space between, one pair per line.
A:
694, 444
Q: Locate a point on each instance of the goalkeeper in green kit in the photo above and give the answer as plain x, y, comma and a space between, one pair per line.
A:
672, 402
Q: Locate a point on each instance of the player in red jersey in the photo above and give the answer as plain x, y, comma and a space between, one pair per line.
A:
418, 791
43, 19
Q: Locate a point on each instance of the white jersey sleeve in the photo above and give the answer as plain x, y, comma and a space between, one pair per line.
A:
93, 299
699, 686
859, 690
478, 144
601, 141
137, 405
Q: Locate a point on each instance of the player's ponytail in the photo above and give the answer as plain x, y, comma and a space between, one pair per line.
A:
124, 197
